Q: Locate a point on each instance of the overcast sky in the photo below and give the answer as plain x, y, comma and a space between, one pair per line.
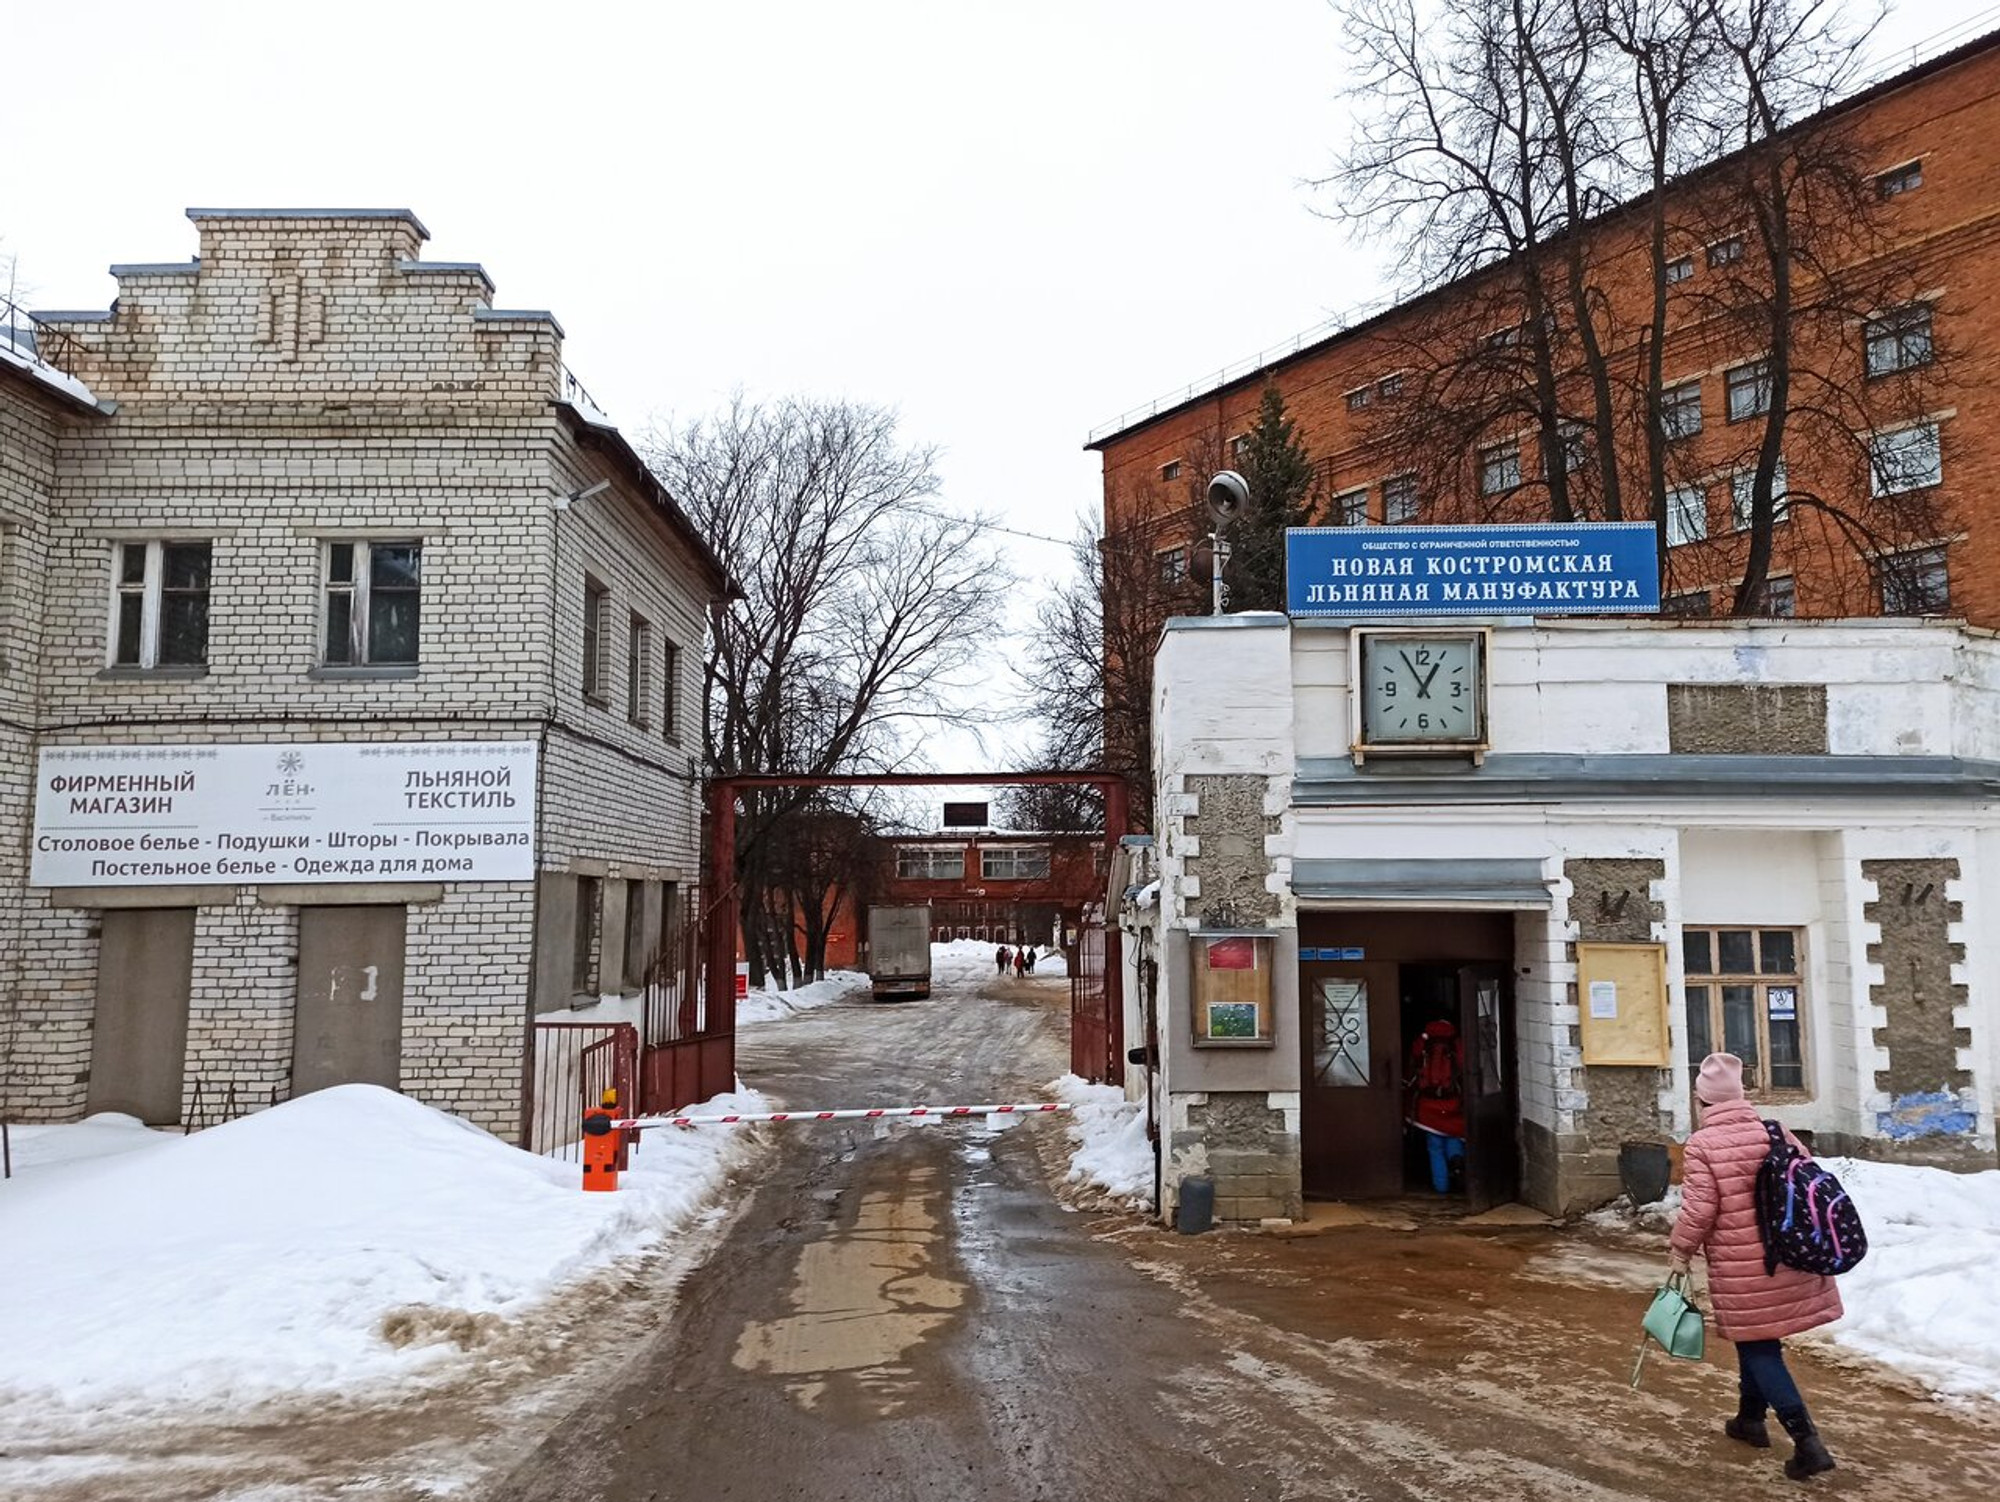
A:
1010, 221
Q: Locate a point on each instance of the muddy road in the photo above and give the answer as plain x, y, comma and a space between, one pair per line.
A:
915, 1315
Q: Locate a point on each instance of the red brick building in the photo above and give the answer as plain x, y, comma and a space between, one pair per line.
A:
1002, 888
1921, 364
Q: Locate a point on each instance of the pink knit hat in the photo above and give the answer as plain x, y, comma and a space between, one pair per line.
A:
1721, 1079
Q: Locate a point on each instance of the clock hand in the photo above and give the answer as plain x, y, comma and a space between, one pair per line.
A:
1414, 678
1424, 689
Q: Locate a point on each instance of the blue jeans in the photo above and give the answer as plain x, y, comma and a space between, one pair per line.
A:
1443, 1149
1764, 1380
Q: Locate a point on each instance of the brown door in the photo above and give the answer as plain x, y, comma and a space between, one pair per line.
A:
1351, 1122
138, 1049
349, 1028
1492, 1141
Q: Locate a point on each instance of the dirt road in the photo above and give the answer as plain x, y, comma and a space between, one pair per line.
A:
915, 1316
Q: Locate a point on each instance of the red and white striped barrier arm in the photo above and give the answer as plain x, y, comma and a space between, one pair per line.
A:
875, 1113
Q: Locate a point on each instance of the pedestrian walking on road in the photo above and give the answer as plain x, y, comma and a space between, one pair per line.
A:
1753, 1308
1020, 962
1031, 959
1000, 960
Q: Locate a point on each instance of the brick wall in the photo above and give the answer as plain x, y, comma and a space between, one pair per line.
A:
310, 380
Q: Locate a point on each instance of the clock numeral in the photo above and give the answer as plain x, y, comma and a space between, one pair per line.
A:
1388, 688
1423, 657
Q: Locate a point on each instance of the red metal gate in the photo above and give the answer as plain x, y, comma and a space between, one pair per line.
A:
688, 1032
574, 1063
1095, 1035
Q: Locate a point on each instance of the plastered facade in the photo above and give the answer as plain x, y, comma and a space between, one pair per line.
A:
1631, 841
309, 379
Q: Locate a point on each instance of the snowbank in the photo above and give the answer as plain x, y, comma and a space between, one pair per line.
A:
101, 1136
769, 1006
347, 1237
972, 960
1925, 1299
1112, 1153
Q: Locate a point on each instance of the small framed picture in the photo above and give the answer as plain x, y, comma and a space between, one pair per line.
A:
1232, 989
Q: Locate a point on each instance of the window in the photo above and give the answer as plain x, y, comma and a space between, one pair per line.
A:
1900, 180
1390, 386
1687, 515
1722, 252
596, 599
1742, 488
1915, 583
1014, 863
372, 595
1499, 468
159, 605
1899, 340
1781, 598
638, 663
670, 696
1505, 338
1680, 269
1749, 389
1171, 470
1360, 397
1904, 459
1350, 508
930, 863
1680, 410
583, 953
1399, 499
1239, 445
636, 958
1745, 995
1173, 565
1693, 604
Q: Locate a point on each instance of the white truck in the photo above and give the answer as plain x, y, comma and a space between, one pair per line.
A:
899, 950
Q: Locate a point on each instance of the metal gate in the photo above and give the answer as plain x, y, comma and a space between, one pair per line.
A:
1094, 1033
574, 1063
687, 1033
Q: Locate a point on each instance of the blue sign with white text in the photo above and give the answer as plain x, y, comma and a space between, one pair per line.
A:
1536, 568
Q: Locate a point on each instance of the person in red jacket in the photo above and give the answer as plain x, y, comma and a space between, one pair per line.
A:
1755, 1309
1436, 1104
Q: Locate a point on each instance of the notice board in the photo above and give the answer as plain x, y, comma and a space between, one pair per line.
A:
1621, 1003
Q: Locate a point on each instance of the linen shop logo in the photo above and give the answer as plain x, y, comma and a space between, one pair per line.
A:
289, 791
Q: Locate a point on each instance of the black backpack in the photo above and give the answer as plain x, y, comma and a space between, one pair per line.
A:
1805, 1217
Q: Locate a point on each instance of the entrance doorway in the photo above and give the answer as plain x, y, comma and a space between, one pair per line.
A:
1409, 1065
349, 1025
138, 1054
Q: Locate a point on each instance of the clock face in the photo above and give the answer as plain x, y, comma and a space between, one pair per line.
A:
1420, 689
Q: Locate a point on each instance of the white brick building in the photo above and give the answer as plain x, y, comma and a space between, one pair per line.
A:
311, 490
1780, 837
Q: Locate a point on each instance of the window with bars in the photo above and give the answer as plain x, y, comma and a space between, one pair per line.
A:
1745, 991
1680, 410
373, 599
159, 605
1748, 389
1014, 863
1899, 340
927, 863
638, 667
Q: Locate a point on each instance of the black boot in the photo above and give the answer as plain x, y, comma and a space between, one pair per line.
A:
1748, 1427
1809, 1454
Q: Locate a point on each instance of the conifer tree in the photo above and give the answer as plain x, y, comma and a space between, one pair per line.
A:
1279, 471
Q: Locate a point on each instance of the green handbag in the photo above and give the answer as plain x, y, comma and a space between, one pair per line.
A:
1675, 1321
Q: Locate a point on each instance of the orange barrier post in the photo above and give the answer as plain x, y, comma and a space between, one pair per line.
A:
603, 1146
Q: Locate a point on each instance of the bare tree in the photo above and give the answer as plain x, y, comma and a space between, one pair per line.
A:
865, 609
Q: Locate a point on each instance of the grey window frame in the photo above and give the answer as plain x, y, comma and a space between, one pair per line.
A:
1891, 333
1753, 376
596, 606
359, 589
1885, 481
638, 668
1401, 499
1675, 408
1016, 856
1912, 569
1500, 460
1904, 177
1350, 507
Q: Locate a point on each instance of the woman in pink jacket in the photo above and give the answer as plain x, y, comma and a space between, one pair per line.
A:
1755, 1309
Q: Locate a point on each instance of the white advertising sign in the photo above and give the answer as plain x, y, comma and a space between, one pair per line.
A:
314, 811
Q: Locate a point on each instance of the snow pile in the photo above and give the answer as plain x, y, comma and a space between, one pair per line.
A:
1621, 1214
972, 960
1925, 1299
1112, 1153
102, 1136
769, 1006
349, 1236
